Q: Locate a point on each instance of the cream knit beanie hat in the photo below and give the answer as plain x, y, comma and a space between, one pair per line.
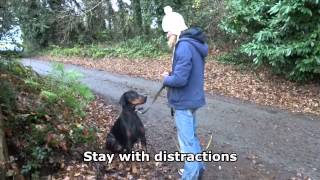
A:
173, 22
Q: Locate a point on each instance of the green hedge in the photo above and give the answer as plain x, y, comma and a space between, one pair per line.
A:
284, 34
133, 48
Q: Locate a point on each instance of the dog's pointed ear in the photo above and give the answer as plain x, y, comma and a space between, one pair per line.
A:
123, 100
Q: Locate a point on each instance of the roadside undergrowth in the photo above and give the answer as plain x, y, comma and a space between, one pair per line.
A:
49, 122
42, 117
137, 47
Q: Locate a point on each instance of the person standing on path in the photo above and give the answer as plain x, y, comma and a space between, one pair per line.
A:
186, 85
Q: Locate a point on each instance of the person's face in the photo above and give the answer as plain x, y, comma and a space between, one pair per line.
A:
172, 38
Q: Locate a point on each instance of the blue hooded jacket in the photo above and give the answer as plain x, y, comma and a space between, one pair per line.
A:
186, 81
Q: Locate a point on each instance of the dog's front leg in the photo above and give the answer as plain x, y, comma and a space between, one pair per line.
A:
129, 146
129, 143
144, 143
143, 139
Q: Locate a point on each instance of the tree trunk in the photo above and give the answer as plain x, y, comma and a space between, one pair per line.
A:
3, 148
122, 17
110, 14
137, 15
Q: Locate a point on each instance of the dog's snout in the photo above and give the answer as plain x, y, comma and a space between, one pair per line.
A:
143, 98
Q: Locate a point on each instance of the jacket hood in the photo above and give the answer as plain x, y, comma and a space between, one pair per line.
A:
197, 38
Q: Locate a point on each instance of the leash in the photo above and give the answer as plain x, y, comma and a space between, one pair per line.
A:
154, 99
162, 87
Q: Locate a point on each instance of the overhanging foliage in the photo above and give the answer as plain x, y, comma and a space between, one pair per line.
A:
284, 34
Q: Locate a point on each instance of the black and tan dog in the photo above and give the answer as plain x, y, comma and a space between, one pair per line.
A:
128, 128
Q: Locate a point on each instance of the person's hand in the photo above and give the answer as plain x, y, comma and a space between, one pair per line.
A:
165, 74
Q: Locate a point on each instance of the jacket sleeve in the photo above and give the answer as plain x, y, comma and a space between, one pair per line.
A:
182, 69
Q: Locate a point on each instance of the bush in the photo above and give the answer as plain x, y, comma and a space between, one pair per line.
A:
207, 14
141, 47
42, 115
7, 95
284, 34
234, 57
137, 47
81, 134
